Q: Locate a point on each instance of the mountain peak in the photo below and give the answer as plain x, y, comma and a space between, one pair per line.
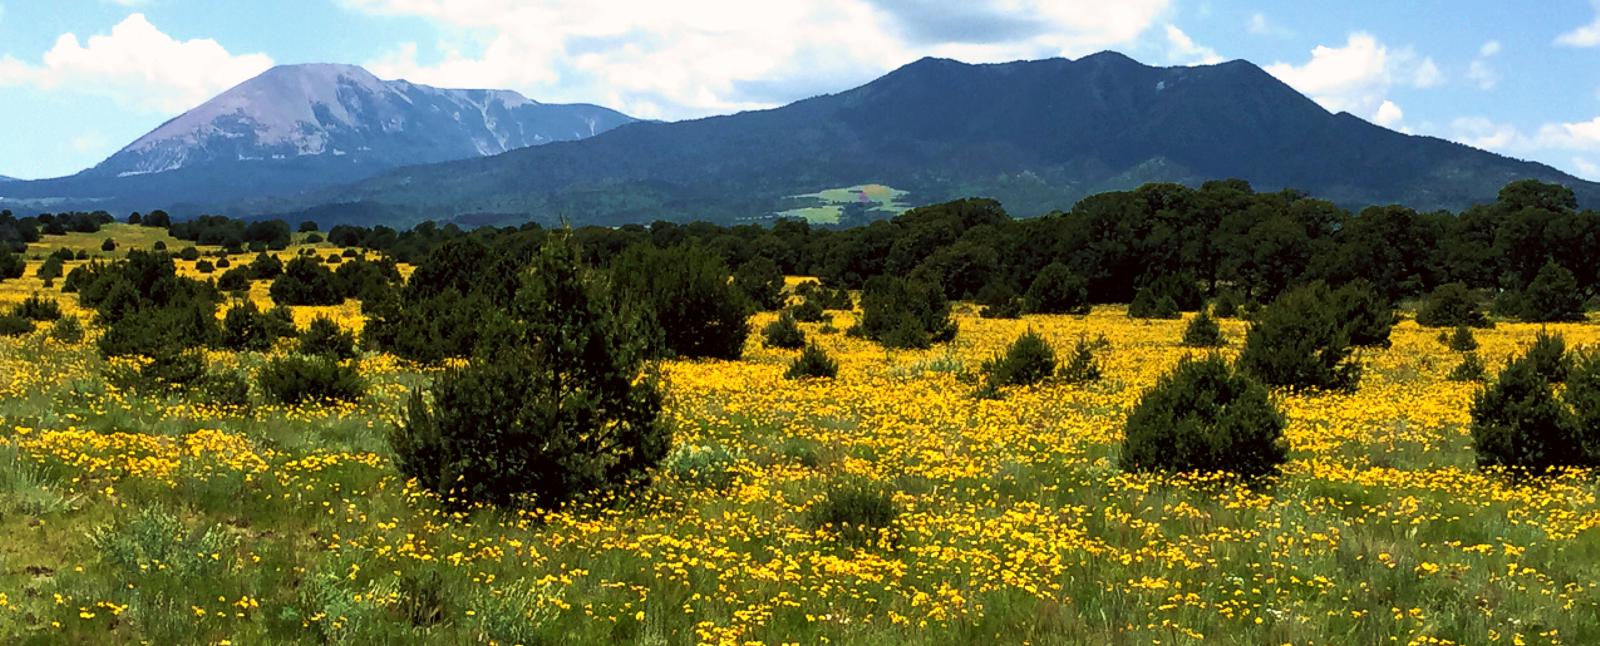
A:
337, 110
1109, 57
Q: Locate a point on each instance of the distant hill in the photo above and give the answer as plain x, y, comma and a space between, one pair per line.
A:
299, 127
1038, 135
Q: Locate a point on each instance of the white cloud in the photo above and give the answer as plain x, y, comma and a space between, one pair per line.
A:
1480, 71
1389, 115
1260, 25
1483, 75
1585, 36
1586, 169
1481, 132
138, 66
1358, 76
1579, 135
699, 57
88, 142
1182, 49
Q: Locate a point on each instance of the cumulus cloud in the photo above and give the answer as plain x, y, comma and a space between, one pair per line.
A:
1585, 36
136, 65
1389, 115
1578, 135
1182, 49
1480, 72
1357, 76
1482, 132
687, 59
1586, 169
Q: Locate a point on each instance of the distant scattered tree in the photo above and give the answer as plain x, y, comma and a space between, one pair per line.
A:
266, 267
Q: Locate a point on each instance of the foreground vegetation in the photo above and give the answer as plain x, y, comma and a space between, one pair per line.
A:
134, 517
530, 438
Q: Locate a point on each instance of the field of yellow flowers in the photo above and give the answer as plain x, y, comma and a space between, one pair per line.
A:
167, 520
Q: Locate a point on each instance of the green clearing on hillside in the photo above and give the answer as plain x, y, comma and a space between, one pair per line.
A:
832, 202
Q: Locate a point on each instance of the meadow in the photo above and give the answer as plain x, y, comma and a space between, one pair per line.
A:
161, 518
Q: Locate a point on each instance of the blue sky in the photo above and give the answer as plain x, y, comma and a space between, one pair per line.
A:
81, 78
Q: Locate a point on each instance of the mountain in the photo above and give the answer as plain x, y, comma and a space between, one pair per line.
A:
1038, 135
298, 127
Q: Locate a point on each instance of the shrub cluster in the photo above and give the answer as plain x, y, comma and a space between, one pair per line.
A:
813, 363
1081, 365
1148, 303
761, 282
145, 307
858, 512
555, 411
1056, 290
998, 301
324, 337
1205, 416
298, 379
899, 313
1448, 306
1367, 315
1301, 341
1203, 332
824, 297
1552, 296
37, 308
245, 327
687, 299
305, 281
784, 333
1027, 361
1519, 423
